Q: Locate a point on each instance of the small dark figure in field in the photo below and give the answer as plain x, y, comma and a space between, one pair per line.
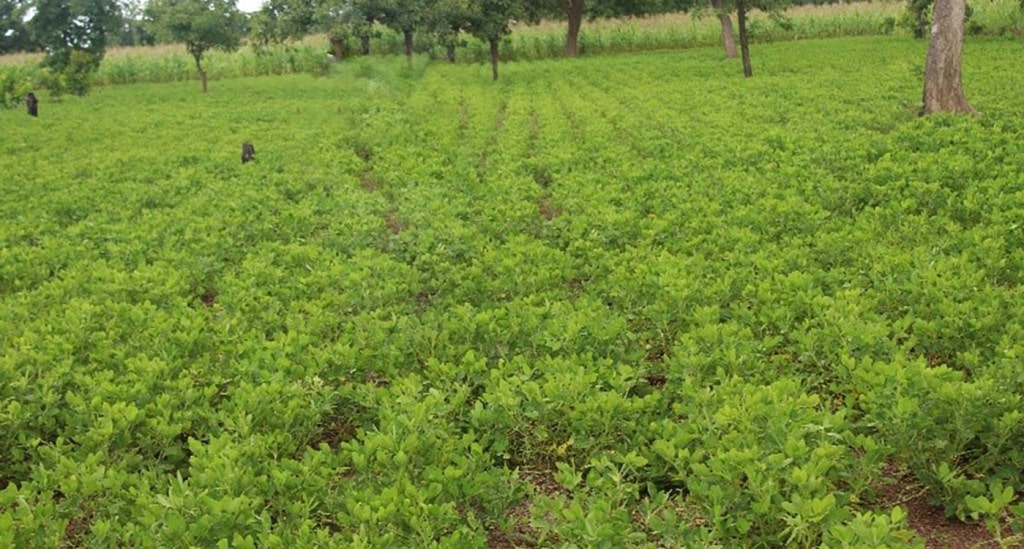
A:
248, 152
33, 104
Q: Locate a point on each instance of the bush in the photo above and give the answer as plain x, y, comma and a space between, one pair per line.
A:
16, 82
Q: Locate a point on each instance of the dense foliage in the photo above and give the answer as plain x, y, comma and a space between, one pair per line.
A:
621, 301
39, 25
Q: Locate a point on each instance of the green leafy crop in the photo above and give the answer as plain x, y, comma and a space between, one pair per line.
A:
620, 301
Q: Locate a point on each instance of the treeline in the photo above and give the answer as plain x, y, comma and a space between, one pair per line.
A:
74, 35
32, 25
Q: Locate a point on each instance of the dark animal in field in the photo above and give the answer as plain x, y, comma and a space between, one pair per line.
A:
33, 104
248, 152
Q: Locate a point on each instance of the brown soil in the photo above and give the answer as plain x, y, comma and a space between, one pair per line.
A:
393, 223
522, 534
208, 298
928, 521
656, 381
74, 532
542, 482
547, 210
368, 181
542, 177
333, 431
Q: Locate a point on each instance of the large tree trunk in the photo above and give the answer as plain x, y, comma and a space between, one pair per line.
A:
408, 43
494, 57
574, 11
943, 89
741, 17
728, 41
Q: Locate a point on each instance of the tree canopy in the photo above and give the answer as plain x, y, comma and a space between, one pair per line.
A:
14, 35
488, 20
61, 28
201, 24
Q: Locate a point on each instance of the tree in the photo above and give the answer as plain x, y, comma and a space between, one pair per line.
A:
280, 20
773, 8
445, 21
575, 10
201, 24
571, 10
74, 36
403, 16
61, 28
344, 21
741, 20
728, 41
14, 35
943, 87
132, 29
489, 21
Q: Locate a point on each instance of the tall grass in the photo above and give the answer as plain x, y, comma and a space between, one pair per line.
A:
160, 65
672, 31
997, 17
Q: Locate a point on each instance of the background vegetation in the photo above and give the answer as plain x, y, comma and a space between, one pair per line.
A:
170, 63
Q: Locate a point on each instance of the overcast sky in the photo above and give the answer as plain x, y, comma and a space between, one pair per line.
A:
249, 5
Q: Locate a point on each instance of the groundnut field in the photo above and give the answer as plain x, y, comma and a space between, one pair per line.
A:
630, 300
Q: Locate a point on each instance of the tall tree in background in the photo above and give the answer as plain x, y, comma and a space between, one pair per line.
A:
575, 10
404, 16
74, 36
348, 21
445, 21
201, 24
943, 87
741, 20
14, 35
280, 20
773, 8
132, 27
574, 13
62, 28
728, 40
489, 21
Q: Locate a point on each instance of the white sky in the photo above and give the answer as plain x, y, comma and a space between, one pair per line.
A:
249, 5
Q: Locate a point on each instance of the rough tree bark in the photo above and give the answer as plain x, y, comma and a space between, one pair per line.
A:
494, 57
574, 11
741, 17
728, 41
943, 88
